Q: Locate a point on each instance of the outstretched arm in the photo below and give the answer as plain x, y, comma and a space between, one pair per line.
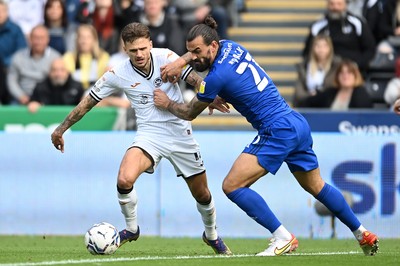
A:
74, 116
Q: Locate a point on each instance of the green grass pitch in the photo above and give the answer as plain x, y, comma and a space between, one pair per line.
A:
70, 250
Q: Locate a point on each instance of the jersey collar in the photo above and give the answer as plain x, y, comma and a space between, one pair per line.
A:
142, 73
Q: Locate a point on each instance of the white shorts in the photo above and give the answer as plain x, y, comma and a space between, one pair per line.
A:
183, 153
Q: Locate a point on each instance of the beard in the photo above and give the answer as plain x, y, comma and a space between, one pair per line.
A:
58, 82
336, 15
202, 65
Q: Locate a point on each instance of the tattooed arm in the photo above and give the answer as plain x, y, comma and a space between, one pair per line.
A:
172, 71
74, 116
194, 79
220, 104
186, 111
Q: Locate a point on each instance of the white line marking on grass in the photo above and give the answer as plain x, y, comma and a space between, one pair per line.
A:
322, 253
66, 262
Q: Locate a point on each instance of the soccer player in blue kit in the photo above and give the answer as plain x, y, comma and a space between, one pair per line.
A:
283, 134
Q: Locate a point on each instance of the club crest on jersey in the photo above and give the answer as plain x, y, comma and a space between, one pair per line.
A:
157, 82
202, 87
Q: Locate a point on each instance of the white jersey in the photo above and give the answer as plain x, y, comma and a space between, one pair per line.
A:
139, 86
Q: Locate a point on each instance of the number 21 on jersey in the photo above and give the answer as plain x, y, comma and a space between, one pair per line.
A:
255, 70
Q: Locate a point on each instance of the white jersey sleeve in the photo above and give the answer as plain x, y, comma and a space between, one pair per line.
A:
107, 85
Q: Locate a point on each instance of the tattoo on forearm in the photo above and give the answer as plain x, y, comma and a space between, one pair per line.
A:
187, 57
194, 79
77, 113
180, 110
187, 111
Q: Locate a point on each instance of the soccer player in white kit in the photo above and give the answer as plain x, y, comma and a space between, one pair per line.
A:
160, 134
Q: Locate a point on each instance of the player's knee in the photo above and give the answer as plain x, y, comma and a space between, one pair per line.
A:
228, 186
124, 181
313, 188
202, 195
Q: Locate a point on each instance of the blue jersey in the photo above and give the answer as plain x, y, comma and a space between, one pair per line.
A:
236, 77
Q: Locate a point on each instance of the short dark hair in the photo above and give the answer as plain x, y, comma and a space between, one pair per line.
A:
134, 31
208, 30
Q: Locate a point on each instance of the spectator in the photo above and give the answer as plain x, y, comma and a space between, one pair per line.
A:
88, 61
195, 11
11, 40
57, 89
370, 10
72, 9
317, 72
348, 91
11, 36
389, 28
27, 13
164, 29
30, 65
392, 90
126, 11
351, 36
100, 14
4, 95
233, 8
60, 30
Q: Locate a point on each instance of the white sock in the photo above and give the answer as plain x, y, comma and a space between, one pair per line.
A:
128, 204
209, 217
282, 233
358, 233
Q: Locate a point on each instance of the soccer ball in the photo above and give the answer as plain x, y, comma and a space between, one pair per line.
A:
102, 239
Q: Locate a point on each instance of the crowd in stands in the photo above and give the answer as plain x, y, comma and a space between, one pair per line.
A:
85, 34
363, 32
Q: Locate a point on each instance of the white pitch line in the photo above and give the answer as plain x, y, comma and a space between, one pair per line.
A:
66, 262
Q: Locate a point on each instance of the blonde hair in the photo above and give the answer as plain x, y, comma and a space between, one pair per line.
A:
313, 62
97, 50
353, 68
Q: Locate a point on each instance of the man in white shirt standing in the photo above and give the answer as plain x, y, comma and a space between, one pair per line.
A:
160, 134
27, 13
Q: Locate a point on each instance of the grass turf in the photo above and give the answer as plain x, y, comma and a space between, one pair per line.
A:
70, 250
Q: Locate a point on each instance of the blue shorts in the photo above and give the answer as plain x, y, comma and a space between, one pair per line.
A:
288, 139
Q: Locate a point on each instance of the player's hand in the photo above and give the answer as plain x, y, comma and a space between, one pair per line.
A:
57, 140
171, 72
396, 106
220, 104
161, 99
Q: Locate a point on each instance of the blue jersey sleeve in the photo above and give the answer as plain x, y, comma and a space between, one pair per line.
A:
209, 88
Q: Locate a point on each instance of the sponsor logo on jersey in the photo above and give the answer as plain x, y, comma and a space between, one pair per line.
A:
202, 87
144, 98
136, 84
225, 52
157, 82
99, 83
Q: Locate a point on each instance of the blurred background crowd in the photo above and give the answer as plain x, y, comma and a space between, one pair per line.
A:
52, 51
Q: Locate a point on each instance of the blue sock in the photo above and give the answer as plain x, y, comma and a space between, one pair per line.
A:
255, 207
335, 202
